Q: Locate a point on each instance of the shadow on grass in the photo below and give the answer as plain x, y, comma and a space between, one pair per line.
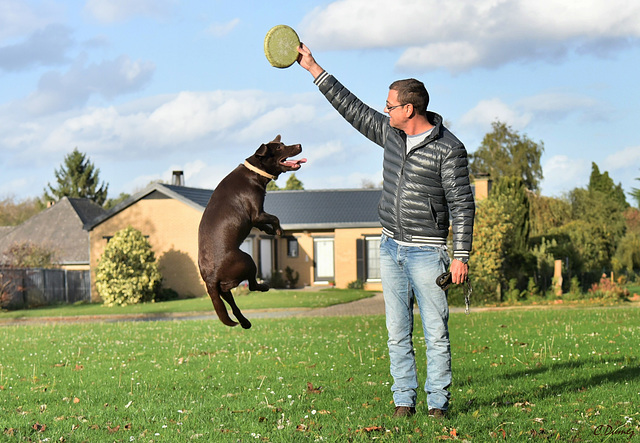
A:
629, 369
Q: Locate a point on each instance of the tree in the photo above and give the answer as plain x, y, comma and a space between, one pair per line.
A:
505, 153
635, 193
547, 214
292, 184
604, 184
627, 256
596, 228
30, 255
127, 272
13, 213
77, 177
110, 203
491, 229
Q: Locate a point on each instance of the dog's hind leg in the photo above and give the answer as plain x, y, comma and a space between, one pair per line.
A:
218, 304
228, 297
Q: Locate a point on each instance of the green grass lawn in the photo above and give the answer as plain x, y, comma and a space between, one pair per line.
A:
519, 375
273, 299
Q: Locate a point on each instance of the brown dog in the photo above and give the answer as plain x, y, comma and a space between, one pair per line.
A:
235, 207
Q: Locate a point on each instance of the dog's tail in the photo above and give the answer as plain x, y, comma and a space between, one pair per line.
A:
220, 307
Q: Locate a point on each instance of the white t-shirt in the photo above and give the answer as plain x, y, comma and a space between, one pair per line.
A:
415, 140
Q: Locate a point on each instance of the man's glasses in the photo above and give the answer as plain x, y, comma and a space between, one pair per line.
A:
391, 108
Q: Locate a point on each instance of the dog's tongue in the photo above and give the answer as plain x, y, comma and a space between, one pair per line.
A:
294, 163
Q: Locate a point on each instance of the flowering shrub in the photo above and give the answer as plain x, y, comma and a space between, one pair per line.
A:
608, 289
127, 272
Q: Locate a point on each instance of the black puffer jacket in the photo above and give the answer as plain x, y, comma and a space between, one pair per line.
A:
421, 189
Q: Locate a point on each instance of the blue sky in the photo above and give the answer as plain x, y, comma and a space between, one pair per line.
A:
146, 87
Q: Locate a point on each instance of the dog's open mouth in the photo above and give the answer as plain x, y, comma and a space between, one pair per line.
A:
293, 164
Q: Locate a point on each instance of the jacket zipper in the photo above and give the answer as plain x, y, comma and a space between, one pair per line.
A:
399, 188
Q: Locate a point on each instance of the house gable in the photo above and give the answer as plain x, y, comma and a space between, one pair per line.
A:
58, 228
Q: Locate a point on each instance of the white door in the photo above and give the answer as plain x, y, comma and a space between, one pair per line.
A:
323, 253
266, 263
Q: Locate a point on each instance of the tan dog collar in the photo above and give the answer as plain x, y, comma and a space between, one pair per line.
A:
250, 167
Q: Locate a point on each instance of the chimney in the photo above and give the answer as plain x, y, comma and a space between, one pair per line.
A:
482, 183
177, 178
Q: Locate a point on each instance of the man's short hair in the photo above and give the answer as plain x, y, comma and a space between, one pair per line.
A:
412, 91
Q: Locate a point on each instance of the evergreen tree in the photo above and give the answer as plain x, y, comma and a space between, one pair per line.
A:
293, 183
603, 183
77, 177
635, 193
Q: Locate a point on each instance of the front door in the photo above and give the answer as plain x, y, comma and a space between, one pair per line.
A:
323, 253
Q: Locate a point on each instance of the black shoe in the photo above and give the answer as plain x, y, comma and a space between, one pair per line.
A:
404, 411
437, 413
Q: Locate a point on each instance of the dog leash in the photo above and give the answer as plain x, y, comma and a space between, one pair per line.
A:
444, 281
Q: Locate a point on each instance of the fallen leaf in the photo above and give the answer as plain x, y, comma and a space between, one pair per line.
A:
78, 368
76, 400
312, 390
38, 427
371, 429
112, 430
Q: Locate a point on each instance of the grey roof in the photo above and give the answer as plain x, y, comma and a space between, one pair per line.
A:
59, 228
313, 209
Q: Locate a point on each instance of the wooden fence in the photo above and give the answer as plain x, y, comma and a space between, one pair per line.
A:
24, 288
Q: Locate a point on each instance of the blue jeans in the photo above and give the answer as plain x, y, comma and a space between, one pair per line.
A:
409, 273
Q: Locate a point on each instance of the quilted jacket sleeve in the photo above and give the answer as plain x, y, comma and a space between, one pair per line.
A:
371, 123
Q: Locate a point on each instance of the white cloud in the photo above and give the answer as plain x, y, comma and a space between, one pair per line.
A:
58, 92
112, 11
488, 111
161, 124
469, 33
47, 46
563, 173
623, 159
18, 18
222, 29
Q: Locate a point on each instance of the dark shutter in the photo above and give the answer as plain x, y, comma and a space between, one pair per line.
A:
360, 259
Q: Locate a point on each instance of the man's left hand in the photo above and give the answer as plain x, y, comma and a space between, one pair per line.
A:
459, 272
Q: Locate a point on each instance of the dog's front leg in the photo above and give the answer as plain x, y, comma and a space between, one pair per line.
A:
268, 223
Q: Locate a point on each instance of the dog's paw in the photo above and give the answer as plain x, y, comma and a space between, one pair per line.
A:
246, 324
262, 287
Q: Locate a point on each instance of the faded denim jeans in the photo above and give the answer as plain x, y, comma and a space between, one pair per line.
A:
408, 274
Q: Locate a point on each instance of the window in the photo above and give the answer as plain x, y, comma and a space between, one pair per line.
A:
373, 258
292, 247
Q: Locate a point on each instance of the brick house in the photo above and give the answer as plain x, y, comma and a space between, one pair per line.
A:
330, 236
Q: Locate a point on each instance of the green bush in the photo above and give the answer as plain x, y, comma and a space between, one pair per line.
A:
356, 284
127, 272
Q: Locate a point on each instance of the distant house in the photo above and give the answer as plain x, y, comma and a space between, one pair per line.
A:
59, 228
319, 242
330, 236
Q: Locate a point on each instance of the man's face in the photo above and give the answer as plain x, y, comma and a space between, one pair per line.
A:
397, 111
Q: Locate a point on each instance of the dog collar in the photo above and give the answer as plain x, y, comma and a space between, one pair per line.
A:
250, 167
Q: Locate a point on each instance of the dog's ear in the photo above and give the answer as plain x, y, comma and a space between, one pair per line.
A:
277, 139
262, 151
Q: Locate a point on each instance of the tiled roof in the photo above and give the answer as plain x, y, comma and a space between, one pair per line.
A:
319, 209
310, 209
58, 228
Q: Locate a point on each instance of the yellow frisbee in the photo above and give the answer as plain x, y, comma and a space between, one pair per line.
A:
281, 46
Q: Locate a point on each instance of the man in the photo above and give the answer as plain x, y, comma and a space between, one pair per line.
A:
425, 183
